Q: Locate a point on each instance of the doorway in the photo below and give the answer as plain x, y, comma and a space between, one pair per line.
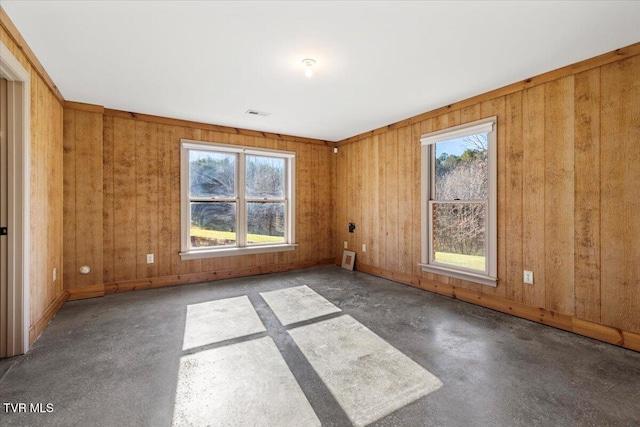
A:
14, 205
3, 217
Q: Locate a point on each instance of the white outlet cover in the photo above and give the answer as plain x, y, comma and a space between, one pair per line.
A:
346, 245
149, 258
364, 247
528, 277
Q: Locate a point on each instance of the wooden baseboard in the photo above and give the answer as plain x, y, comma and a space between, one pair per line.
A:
182, 279
566, 322
86, 292
36, 329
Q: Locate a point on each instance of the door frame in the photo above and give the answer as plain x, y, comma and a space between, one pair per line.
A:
18, 160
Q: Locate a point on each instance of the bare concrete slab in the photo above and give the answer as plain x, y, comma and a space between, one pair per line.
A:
115, 360
293, 305
243, 384
367, 376
215, 321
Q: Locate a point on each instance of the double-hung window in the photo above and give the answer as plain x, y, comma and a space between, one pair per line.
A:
235, 200
459, 202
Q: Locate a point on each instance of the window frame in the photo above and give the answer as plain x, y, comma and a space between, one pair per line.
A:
427, 155
241, 247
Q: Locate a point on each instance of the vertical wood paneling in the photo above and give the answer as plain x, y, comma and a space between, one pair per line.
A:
392, 261
620, 157
383, 200
405, 206
46, 194
141, 187
587, 195
496, 107
108, 226
69, 194
124, 204
164, 253
419, 129
146, 144
513, 197
567, 194
88, 199
533, 246
559, 195
374, 244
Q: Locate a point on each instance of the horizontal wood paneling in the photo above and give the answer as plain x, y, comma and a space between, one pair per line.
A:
568, 178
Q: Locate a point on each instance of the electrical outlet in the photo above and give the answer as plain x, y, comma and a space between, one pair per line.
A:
528, 277
149, 258
55, 274
364, 248
346, 245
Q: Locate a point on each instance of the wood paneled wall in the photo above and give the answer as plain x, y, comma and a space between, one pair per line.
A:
568, 178
137, 209
82, 197
46, 184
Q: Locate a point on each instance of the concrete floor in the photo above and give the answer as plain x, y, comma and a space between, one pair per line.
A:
115, 361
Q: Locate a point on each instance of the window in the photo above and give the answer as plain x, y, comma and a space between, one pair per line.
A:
459, 202
235, 200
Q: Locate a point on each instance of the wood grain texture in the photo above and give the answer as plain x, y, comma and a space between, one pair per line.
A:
567, 197
533, 235
587, 195
83, 198
497, 107
46, 185
620, 157
514, 195
406, 176
108, 229
140, 185
559, 196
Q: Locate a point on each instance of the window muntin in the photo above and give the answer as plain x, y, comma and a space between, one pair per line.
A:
235, 198
459, 202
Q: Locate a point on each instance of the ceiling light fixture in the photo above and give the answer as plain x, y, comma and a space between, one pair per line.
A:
308, 64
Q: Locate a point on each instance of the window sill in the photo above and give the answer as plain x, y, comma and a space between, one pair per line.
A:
249, 250
458, 274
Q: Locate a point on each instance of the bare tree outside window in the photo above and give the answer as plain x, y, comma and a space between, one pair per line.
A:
459, 203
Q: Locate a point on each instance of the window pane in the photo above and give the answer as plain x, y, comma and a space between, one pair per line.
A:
265, 223
461, 171
265, 177
213, 224
459, 234
212, 174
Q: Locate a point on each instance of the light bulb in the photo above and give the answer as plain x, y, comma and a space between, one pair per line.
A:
308, 66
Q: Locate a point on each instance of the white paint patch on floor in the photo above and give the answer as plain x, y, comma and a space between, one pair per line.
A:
293, 305
215, 321
368, 377
244, 384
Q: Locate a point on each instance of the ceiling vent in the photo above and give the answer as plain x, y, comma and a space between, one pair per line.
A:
257, 113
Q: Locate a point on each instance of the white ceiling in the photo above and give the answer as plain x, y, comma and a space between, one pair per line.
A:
377, 62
